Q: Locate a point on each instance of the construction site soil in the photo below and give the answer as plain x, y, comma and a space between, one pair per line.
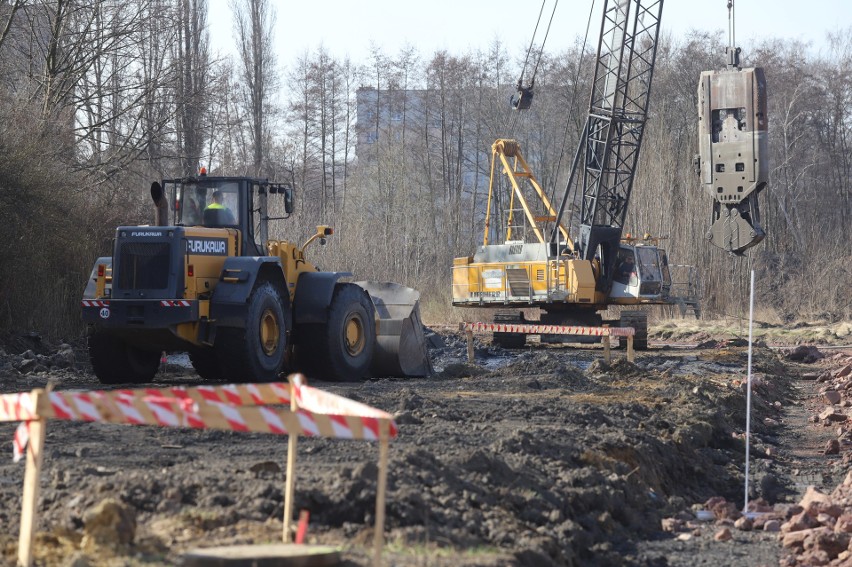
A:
534, 457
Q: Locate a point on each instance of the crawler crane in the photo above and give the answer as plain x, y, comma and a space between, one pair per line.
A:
572, 276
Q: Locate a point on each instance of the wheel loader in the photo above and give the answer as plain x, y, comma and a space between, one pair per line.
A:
245, 307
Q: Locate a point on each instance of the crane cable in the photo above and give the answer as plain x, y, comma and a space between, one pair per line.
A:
532, 41
573, 99
513, 119
731, 23
541, 50
529, 52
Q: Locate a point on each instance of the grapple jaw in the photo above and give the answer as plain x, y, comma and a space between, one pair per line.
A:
736, 228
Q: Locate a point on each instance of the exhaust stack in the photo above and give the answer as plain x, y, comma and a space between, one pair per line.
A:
161, 205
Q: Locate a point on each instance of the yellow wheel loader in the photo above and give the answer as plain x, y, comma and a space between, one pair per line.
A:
245, 308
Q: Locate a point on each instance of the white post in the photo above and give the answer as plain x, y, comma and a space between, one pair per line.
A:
748, 390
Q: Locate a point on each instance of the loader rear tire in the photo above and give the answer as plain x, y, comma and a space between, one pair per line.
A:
255, 353
116, 362
347, 343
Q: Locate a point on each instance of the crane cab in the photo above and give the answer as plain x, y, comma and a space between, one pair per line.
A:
641, 274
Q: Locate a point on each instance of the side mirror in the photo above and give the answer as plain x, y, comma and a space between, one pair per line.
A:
288, 199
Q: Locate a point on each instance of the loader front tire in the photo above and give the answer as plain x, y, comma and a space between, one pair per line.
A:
256, 352
116, 362
349, 338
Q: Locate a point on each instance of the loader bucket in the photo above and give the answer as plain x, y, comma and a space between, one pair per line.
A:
400, 343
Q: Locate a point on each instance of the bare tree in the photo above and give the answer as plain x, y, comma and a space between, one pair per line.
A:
192, 59
254, 21
85, 63
8, 13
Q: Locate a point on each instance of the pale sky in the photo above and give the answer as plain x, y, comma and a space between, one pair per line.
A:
348, 26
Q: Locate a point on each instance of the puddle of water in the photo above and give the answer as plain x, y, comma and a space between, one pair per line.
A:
179, 359
498, 362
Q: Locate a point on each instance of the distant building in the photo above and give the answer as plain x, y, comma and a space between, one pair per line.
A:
381, 113
389, 114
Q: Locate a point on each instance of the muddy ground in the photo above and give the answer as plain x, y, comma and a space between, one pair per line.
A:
544, 456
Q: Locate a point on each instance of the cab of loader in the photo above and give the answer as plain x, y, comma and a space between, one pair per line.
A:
227, 202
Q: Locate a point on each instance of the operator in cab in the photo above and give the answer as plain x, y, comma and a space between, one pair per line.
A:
626, 268
216, 213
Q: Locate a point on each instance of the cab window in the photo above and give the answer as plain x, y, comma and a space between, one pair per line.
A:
649, 263
221, 204
625, 267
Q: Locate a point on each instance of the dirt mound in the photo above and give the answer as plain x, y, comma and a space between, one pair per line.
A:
461, 370
29, 353
542, 371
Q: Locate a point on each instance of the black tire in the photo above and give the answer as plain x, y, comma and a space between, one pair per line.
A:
206, 364
309, 349
346, 345
639, 321
510, 340
255, 353
116, 362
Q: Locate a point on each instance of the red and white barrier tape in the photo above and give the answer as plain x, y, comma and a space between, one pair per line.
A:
549, 329
17, 407
236, 407
20, 440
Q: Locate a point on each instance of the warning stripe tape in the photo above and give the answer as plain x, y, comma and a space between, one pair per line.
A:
321, 402
17, 407
273, 393
177, 303
95, 303
549, 329
235, 407
20, 440
110, 407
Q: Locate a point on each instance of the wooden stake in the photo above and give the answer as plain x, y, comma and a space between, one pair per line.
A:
607, 353
469, 334
379, 529
29, 505
289, 487
630, 355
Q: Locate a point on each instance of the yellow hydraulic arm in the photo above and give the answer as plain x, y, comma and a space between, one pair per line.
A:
503, 150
